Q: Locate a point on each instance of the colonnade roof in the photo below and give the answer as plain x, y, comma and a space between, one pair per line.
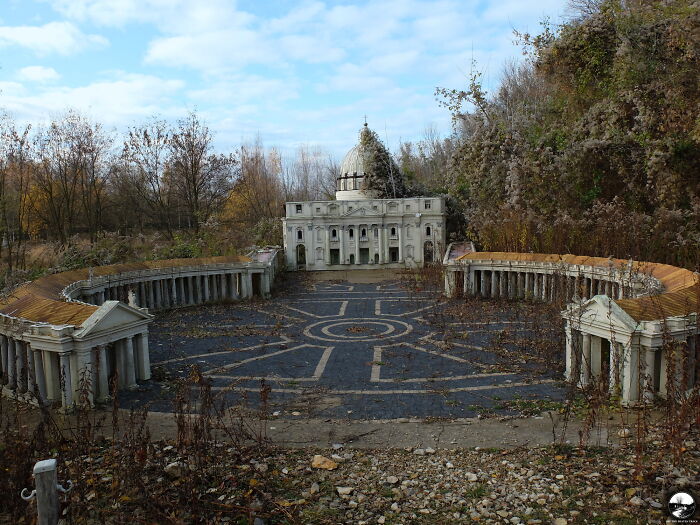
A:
41, 301
681, 294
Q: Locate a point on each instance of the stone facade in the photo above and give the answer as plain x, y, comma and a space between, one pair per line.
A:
368, 233
359, 231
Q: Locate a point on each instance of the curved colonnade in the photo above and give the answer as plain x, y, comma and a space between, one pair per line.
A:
72, 333
626, 322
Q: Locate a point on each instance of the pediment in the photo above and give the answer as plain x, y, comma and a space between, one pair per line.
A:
362, 211
110, 316
602, 310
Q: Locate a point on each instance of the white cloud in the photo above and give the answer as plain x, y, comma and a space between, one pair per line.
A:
61, 38
39, 74
116, 101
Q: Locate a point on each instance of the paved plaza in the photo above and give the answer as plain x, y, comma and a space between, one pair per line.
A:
352, 350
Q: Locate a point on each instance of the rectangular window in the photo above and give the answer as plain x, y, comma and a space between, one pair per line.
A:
376, 233
299, 208
375, 207
408, 207
427, 205
318, 210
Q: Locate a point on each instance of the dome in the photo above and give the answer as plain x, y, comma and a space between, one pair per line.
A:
353, 163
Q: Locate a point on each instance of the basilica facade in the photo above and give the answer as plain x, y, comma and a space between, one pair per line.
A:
359, 231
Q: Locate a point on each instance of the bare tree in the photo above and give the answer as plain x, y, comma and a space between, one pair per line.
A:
143, 172
15, 170
201, 178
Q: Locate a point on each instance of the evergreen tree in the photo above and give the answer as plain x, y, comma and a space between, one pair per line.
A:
383, 177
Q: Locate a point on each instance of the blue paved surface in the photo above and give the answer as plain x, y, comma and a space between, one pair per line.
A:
343, 350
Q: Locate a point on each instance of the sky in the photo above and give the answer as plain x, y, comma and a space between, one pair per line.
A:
289, 72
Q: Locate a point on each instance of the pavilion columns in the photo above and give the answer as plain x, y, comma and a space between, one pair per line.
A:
341, 243
40, 375
29, 369
191, 297
52, 375
143, 363
494, 284
482, 283
102, 374
126, 362
528, 289
571, 353
85, 376
586, 360
66, 380
649, 356
630, 373
206, 295
20, 367
4, 360
173, 291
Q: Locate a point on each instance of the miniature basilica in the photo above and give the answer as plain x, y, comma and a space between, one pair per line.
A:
359, 231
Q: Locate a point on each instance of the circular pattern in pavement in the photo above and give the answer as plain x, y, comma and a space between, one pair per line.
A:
357, 329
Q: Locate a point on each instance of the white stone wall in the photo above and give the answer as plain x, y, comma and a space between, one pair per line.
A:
363, 233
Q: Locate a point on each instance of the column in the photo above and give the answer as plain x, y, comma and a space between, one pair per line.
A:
173, 292
494, 284
614, 366
596, 356
521, 285
102, 374
512, 285
586, 360
190, 290
20, 366
3, 359
101, 297
465, 283
206, 295
265, 284
143, 358
649, 372
53, 375
399, 231
545, 288
40, 375
326, 247
449, 283
158, 303
143, 302
528, 286
223, 286
31, 374
630, 373
380, 228
129, 364
472, 281
482, 283
66, 380
341, 243
569, 352
86, 382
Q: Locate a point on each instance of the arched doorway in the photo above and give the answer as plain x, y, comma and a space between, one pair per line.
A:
428, 252
301, 255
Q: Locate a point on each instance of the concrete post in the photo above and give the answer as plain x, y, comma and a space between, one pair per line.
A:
46, 492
